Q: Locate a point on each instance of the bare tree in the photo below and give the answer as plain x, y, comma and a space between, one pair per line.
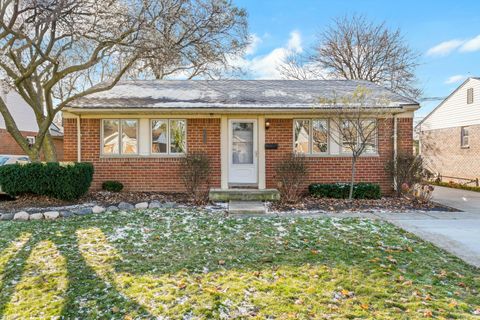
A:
55, 51
355, 48
298, 66
195, 38
355, 123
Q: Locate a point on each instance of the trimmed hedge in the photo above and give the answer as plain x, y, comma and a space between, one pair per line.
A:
113, 186
361, 190
65, 182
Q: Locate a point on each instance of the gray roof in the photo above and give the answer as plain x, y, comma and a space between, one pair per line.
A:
231, 94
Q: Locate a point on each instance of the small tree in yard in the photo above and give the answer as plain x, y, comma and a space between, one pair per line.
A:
195, 170
55, 51
291, 173
355, 123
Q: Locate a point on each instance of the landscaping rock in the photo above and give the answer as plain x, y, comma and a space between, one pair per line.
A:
83, 211
112, 208
169, 205
51, 215
155, 204
125, 206
36, 216
141, 205
7, 216
22, 215
66, 214
98, 209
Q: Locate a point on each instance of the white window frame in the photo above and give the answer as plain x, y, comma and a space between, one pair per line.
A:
310, 137
120, 149
168, 153
375, 152
462, 137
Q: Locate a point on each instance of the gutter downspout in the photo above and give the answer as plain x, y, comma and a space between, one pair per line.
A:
79, 140
395, 151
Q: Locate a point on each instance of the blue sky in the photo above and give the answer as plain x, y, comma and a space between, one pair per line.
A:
445, 33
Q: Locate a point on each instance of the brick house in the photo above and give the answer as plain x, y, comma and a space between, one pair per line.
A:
450, 134
26, 123
136, 132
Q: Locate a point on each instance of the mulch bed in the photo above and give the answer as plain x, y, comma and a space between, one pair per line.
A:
308, 203
386, 203
98, 197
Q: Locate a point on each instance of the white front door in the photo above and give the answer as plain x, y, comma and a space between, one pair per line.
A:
242, 151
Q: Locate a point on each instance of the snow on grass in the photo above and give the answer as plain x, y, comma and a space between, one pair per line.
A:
194, 264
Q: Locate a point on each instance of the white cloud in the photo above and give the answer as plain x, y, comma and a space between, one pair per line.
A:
456, 78
447, 47
265, 66
444, 48
253, 45
471, 45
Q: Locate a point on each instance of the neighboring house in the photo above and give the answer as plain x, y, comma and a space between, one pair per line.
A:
450, 134
136, 132
26, 123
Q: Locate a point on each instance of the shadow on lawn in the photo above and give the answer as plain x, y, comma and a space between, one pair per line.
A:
114, 278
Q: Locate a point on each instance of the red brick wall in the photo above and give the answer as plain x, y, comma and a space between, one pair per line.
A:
338, 168
8, 145
143, 173
162, 174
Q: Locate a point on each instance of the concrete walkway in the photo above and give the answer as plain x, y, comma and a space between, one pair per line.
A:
456, 232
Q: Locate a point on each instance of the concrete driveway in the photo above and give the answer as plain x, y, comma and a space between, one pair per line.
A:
456, 232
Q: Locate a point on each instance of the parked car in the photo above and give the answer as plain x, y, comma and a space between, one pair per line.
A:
9, 159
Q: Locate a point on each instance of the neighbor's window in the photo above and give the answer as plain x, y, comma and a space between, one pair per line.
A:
464, 137
352, 138
120, 137
169, 136
311, 136
469, 95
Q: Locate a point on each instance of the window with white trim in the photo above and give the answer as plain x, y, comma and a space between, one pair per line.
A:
352, 138
169, 136
119, 137
464, 137
310, 136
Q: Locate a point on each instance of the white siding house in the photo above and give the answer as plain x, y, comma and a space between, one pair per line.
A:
450, 135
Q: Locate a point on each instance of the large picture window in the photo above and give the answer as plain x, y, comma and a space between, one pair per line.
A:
311, 136
119, 137
169, 136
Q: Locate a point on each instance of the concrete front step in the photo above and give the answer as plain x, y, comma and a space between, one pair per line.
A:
246, 207
244, 194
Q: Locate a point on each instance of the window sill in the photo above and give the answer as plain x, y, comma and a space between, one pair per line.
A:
464, 147
340, 155
140, 156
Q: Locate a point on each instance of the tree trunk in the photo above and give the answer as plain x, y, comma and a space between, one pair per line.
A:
352, 180
48, 149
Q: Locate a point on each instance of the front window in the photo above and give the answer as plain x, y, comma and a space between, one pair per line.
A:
357, 134
311, 136
169, 136
464, 137
120, 137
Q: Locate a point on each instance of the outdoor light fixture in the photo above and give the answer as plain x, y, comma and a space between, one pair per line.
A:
267, 124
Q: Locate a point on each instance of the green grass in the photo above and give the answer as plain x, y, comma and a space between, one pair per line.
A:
177, 264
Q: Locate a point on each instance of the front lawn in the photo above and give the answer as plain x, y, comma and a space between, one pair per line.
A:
185, 265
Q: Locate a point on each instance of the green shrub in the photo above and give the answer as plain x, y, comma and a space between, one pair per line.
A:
361, 190
113, 186
62, 181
